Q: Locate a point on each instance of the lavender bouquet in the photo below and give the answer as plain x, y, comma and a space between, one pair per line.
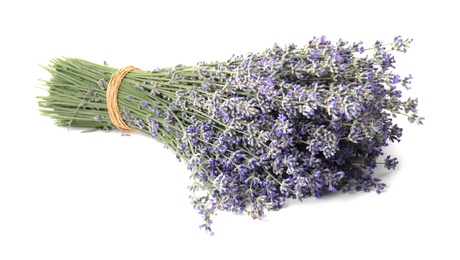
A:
256, 129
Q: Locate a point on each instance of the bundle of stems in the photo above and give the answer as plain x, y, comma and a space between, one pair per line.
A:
288, 122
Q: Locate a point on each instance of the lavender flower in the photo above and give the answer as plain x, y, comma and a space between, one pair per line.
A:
255, 130
390, 163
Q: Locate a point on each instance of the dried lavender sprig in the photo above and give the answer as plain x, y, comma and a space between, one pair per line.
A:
254, 130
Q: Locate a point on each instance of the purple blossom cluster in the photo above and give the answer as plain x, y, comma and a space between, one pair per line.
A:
288, 122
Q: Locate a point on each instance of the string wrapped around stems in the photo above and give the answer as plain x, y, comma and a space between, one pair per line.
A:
112, 97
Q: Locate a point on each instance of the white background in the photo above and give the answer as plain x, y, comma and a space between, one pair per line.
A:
67, 195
